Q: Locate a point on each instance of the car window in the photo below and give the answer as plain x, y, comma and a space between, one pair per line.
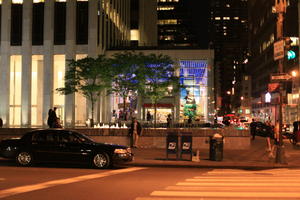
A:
52, 137
39, 137
69, 138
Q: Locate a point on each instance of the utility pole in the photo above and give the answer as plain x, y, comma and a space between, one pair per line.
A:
280, 9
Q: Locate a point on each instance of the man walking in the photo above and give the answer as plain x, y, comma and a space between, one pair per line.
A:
134, 132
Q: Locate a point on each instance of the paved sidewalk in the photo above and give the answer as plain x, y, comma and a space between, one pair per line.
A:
254, 157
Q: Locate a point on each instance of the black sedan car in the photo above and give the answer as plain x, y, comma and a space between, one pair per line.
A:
63, 146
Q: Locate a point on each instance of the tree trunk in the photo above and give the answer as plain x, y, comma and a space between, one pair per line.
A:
124, 108
92, 119
155, 111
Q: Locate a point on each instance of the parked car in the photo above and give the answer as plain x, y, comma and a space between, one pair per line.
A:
63, 146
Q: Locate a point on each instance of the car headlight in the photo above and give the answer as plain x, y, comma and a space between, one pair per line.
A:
120, 151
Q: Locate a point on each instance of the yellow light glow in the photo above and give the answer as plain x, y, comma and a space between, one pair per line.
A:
61, 0
134, 34
294, 73
0, 1
17, 1
38, 1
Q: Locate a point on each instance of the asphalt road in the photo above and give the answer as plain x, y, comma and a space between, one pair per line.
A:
51, 182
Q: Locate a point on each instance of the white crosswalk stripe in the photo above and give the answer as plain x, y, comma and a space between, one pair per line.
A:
234, 184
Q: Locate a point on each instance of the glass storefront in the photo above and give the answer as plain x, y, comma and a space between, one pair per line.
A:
80, 103
193, 97
36, 90
15, 90
58, 81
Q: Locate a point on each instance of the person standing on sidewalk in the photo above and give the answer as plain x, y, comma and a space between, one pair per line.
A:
134, 132
253, 128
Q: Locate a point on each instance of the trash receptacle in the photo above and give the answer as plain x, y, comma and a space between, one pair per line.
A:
172, 144
216, 147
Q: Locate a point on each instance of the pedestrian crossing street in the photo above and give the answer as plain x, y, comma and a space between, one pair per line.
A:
280, 184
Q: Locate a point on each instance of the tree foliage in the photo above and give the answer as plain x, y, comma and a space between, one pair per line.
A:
89, 77
160, 78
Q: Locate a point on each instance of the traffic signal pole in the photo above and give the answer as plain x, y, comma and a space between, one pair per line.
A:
280, 6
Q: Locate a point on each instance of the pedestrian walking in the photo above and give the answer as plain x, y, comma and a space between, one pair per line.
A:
169, 121
148, 116
134, 132
270, 135
253, 128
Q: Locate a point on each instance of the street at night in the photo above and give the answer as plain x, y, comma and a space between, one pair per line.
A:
146, 183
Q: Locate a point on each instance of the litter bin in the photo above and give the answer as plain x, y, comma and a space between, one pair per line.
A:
172, 144
186, 145
216, 147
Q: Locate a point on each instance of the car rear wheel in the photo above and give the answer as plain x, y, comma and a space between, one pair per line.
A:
101, 160
24, 158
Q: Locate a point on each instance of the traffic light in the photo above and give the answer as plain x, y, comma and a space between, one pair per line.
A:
290, 53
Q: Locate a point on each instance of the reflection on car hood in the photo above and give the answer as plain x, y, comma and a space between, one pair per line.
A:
116, 146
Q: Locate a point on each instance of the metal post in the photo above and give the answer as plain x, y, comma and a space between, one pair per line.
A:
280, 6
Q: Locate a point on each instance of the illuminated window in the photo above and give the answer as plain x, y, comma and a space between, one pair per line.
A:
134, 34
38, 1
36, 91
0, 2
17, 1
226, 18
217, 18
15, 90
165, 8
224, 27
228, 5
167, 21
80, 103
58, 82
236, 18
61, 0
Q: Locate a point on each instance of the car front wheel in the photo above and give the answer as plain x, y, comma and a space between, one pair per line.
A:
24, 158
101, 160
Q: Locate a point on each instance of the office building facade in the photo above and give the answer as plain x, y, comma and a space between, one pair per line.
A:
37, 39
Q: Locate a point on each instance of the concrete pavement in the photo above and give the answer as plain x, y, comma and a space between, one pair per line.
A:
254, 157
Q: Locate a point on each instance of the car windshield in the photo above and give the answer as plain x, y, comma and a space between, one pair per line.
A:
84, 138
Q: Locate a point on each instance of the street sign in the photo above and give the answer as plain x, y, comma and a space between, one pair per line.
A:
280, 77
279, 50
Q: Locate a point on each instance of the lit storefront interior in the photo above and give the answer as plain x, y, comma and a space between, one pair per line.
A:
15, 90
58, 82
80, 103
193, 97
36, 90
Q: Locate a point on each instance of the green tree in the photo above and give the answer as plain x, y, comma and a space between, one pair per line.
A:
89, 77
126, 77
159, 80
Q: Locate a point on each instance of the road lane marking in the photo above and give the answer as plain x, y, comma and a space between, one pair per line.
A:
237, 188
39, 186
267, 184
227, 194
241, 179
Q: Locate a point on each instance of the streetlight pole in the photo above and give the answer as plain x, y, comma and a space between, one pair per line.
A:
280, 6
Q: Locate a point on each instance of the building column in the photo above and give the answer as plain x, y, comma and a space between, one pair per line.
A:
92, 47
48, 59
70, 54
5, 62
26, 64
